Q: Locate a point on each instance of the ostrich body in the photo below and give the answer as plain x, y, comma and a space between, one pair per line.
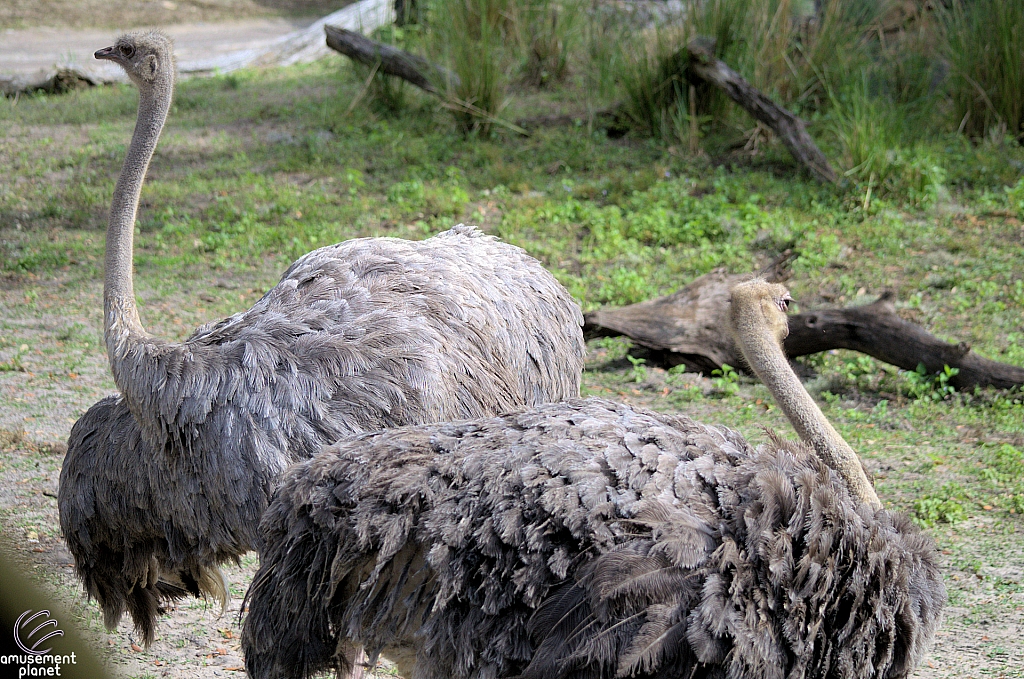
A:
167, 480
588, 539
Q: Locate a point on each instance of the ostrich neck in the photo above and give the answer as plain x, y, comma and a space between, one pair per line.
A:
122, 329
764, 354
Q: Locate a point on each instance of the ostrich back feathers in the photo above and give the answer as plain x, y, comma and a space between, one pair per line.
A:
161, 485
587, 540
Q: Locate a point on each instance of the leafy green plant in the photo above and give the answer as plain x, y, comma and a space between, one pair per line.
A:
930, 387
855, 367
1015, 196
725, 380
946, 506
433, 199
623, 285
639, 372
1004, 463
682, 391
1004, 471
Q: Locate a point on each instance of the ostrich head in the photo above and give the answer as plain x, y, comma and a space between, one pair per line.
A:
146, 56
759, 323
760, 303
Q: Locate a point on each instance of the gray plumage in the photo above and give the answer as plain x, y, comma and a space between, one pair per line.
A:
590, 540
585, 539
168, 480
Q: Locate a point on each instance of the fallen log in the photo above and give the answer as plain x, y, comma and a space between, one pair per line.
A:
789, 128
60, 81
876, 330
691, 327
390, 60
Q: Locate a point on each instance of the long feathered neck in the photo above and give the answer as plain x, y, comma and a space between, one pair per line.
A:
761, 346
122, 329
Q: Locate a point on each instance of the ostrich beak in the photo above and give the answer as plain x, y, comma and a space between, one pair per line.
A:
110, 53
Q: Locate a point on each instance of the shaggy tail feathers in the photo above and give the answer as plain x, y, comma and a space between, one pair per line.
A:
291, 594
119, 554
142, 589
803, 582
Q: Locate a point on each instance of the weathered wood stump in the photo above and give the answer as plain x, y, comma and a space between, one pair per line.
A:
691, 327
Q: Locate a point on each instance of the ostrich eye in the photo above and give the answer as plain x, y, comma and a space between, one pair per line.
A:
783, 303
127, 51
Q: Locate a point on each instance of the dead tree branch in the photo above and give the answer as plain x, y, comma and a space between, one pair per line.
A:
876, 330
691, 327
393, 61
790, 129
58, 82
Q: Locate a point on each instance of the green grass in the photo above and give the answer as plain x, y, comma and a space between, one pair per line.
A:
278, 165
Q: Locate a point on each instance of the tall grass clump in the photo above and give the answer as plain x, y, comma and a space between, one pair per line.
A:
549, 31
828, 49
492, 45
880, 145
650, 68
985, 48
473, 39
753, 36
602, 31
868, 132
785, 48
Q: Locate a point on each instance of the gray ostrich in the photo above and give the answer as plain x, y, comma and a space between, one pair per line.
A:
590, 540
167, 480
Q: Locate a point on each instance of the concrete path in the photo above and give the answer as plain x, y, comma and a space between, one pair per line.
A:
24, 51
201, 48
